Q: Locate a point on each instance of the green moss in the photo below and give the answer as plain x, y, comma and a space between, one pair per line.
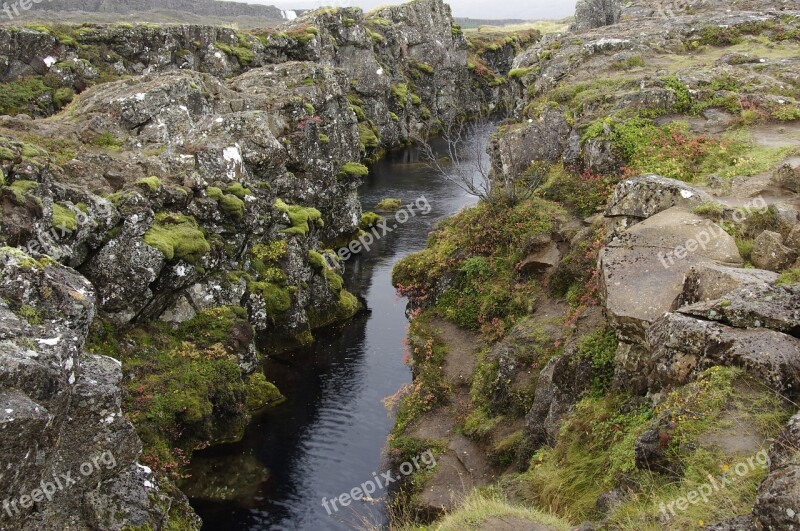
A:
214, 193
260, 392
335, 281
389, 205
237, 189
21, 188
178, 237
23, 96
324, 139
400, 93
183, 385
309, 109
277, 299
243, 54
368, 137
230, 203
416, 100
109, 141
270, 252
520, 73
353, 169
394, 117
232, 206
423, 67
316, 260
300, 217
345, 307
151, 183
30, 314
64, 218
369, 220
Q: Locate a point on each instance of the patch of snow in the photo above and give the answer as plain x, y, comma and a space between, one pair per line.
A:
289, 15
140, 96
686, 194
380, 72
49, 61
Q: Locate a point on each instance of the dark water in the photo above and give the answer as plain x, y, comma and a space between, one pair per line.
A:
329, 436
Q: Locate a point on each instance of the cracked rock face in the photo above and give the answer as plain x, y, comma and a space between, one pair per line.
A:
60, 408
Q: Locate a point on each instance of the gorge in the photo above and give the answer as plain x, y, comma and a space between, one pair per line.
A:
606, 336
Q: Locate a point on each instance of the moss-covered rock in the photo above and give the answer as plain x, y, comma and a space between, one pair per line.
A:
178, 237
300, 217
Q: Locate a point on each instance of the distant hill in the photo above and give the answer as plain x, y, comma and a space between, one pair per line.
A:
469, 23
164, 11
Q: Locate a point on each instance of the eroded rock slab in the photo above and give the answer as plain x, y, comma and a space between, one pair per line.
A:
645, 196
683, 346
642, 270
777, 308
708, 281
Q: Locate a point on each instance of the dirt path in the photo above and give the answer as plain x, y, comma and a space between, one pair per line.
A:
463, 466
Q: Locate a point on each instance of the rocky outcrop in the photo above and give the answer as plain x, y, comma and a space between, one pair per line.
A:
779, 493
61, 411
642, 197
770, 253
642, 270
590, 14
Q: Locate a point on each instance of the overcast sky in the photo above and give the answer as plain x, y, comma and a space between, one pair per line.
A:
521, 9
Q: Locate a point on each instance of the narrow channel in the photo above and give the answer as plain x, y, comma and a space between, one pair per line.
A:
330, 434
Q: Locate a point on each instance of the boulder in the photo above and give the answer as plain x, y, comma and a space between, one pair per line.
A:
777, 308
793, 240
61, 406
778, 496
642, 271
645, 196
770, 253
514, 149
683, 346
788, 175
590, 14
708, 281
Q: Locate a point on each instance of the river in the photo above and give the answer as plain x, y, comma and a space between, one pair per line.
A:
330, 434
